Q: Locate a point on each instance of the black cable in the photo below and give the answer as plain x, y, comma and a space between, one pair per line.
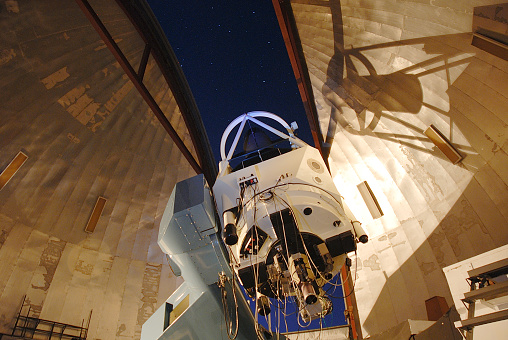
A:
354, 282
356, 261
256, 271
304, 246
356, 256
227, 318
289, 183
299, 309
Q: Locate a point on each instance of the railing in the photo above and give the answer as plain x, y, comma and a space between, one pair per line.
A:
245, 159
29, 327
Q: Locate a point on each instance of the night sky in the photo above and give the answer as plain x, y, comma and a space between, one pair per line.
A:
235, 61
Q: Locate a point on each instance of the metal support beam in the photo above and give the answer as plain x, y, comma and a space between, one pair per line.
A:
470, 314
490, 270
487, 293
139, 13
293, 45
484, 319
143, 62
350, 300
133, 76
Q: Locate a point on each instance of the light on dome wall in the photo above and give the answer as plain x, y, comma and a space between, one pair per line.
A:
12, 168
351, 194
443, 144
96, 214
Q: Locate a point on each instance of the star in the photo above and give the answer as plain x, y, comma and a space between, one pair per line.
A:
235, 50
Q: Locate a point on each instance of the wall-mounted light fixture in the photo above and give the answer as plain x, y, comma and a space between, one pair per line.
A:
370, 199
96, 213
12, 168
443, 144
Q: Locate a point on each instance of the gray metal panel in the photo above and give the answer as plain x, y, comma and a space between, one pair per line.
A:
189, 217
204, 319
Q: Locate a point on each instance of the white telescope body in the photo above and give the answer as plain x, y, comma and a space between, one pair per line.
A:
286, 207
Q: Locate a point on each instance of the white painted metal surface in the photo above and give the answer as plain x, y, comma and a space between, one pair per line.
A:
456, 276
264, 200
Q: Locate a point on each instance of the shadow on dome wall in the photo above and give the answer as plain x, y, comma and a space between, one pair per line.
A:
403, 266
376, 97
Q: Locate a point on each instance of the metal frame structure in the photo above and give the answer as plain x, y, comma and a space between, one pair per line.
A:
29, 327
157, 46
251, 116
482, 287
